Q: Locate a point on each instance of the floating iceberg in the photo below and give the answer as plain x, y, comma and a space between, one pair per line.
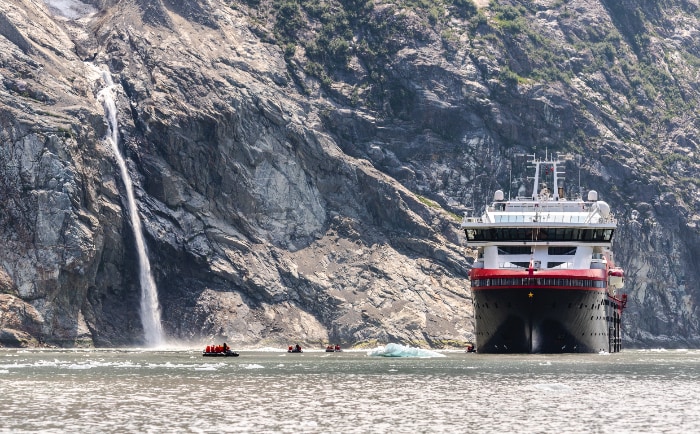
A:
396, 350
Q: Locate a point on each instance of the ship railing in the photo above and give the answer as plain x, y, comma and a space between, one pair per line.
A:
609, 219
472, 220
511, 266
535, 207
545, 218
536, 218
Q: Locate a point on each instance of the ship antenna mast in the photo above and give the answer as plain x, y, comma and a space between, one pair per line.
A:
510, 179
536, 185
578, 157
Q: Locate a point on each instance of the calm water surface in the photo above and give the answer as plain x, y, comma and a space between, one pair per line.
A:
350, 392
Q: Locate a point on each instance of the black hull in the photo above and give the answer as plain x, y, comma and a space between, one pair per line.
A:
552, 320
226, 354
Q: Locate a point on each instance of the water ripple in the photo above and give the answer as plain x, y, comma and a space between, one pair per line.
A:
351, 393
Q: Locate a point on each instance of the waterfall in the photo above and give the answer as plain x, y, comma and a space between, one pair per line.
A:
150, 308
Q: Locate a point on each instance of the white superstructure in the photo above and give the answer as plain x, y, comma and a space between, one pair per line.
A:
544, 230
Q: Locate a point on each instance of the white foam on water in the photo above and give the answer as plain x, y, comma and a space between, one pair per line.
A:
553, 387
251, 366
308, 424
79, 366
14, 366
170, 365
270, 350
70, 365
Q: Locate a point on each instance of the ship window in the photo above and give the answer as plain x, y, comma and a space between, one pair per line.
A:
563, 250
550, 234
529, 281
557, 234
514, 250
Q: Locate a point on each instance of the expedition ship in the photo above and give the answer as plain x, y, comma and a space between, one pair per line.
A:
544, 280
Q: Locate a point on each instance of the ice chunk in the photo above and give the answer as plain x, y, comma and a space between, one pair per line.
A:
396, 350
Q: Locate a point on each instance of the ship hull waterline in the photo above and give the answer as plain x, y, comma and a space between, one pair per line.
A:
546, 320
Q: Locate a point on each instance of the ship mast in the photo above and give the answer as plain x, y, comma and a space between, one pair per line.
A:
555, 175
536, 185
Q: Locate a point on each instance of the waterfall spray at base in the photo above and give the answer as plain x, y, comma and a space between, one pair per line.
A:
150, 309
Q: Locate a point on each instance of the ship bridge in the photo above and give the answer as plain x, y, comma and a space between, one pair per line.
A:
542, 218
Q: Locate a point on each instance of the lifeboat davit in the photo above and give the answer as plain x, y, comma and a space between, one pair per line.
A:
616, 277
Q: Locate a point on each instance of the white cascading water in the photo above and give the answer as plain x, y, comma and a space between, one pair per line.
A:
150, 308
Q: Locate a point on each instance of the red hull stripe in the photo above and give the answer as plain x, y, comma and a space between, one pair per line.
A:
489, 273
560, 280
535, 287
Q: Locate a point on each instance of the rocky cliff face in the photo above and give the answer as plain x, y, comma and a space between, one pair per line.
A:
299, 166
